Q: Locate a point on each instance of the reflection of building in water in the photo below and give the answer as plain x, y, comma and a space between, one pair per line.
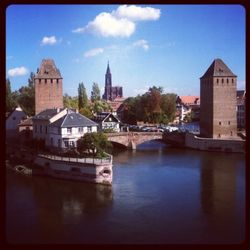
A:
218, 180
64, 202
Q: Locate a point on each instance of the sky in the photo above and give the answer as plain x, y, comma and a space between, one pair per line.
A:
163, 45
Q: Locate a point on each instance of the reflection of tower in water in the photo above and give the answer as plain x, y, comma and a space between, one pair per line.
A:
218, 180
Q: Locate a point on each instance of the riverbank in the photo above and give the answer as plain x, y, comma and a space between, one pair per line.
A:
194, 141
95, 170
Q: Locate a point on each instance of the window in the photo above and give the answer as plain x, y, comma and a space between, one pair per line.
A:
59, 143
51, 141
228, 122
80, 129
39, 80
57, 80
227, 80
217, 81
222, 80
89, 129
45, 80
219, 123
232, 80
72, 144
69, 130
66, 143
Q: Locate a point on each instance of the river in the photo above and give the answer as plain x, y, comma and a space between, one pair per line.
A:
160, 195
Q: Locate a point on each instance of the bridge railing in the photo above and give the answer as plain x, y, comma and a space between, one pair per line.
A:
133, 133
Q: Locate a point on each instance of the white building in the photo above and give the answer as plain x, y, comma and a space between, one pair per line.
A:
107, 120
61, 128
14, 118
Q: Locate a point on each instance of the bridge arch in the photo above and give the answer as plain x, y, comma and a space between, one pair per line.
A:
132, 139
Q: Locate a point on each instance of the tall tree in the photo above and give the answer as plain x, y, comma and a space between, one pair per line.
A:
9, 98
95, 93
82, 96
26, 97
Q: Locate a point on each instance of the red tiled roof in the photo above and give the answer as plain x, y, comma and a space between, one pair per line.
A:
189, 99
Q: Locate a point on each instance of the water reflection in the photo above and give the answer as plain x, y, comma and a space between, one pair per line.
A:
50, 205
218, 196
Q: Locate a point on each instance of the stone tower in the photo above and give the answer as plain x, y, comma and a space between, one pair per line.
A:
108, 85
218, 101
48, 87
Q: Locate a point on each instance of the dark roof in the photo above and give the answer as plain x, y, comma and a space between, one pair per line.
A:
73, 119
26, 122
48, 70
47, 114
101, 117
218, 68
241, 93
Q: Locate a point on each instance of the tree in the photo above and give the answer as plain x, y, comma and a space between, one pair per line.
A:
94, 143
70, 102
82, 96
168, 105
95, 93
10, 102
26, 96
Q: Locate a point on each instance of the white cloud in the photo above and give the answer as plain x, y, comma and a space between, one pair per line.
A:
135, 13
93, 52
49, 40
20, 71
107, 25
119, 23
141, 43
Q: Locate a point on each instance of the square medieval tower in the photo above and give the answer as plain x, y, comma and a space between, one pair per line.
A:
218, 102
48, 87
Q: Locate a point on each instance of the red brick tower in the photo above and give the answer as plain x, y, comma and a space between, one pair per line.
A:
218, 101
48, 87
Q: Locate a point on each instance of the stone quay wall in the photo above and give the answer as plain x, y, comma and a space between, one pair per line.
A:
210, 144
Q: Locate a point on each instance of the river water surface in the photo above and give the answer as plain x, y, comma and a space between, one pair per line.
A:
160, 195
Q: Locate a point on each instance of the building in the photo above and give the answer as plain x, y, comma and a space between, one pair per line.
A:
241, 98
13, 120
218, 101
110, 92
48, 87
188, 105
61, 128
25, 130
107, 120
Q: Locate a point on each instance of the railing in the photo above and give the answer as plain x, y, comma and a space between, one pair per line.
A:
133, 133
97, 161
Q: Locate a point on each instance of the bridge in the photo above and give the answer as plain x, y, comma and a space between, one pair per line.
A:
132, 139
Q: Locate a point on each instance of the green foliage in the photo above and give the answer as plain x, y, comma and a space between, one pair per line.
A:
100, 106
95, 93
82, 96
10, 101
25, 97
86, 111
70, 102
152, 107
94, 143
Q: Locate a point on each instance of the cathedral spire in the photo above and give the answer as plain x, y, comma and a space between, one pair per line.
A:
108, 69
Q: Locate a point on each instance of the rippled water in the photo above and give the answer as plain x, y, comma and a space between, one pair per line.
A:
160, 195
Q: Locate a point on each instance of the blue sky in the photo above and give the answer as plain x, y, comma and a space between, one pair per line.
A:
163, 45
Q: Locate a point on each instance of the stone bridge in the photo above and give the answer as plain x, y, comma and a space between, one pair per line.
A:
132, 139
